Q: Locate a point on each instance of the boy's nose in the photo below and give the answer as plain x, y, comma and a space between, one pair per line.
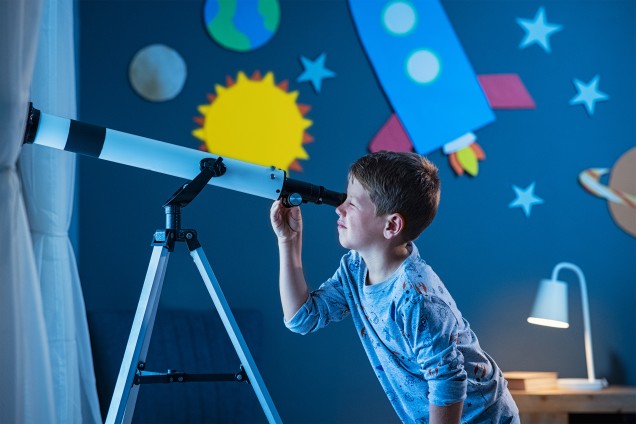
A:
338, 211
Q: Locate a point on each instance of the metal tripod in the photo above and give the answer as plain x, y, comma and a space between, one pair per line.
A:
131, 373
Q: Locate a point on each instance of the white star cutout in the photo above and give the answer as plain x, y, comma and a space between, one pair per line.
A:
538, 31
588, 94
525, 199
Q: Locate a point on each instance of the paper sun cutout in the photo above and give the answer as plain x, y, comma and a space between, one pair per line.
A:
256, 121
525, 199
315, 71
538, 31
588, 94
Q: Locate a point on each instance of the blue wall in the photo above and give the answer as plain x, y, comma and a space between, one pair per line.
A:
490, 256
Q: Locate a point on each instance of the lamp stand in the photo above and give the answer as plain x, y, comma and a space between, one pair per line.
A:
591, 382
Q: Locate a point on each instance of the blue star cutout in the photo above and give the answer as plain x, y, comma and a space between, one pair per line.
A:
315, 71
538, 31
588, 94
525, 199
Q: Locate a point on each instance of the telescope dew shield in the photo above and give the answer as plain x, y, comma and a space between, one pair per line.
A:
145, 153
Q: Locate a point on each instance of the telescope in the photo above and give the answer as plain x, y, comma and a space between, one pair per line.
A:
145, 153
200, 169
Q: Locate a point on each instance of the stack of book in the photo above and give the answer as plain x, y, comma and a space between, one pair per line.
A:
528, 380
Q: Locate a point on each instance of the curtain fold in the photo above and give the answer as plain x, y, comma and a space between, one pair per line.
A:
26, 394
48, 178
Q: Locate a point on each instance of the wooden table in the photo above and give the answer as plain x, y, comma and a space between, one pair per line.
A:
552, 406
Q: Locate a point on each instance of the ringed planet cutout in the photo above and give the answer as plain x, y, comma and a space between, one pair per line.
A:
620, 193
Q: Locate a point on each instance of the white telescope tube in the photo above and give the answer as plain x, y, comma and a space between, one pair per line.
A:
145, 153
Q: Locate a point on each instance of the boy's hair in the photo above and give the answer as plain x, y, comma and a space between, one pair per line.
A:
406, 183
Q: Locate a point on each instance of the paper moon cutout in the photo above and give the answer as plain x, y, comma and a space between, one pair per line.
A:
621, 191
157, 73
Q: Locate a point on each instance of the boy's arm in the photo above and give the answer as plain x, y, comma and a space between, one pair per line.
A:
450, 414
288, 225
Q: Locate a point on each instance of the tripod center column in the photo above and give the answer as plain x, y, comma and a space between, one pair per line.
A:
173, 217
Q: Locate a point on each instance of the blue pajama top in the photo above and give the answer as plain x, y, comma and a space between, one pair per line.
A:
419, 345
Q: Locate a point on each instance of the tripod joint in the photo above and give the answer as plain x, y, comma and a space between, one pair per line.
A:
169, 236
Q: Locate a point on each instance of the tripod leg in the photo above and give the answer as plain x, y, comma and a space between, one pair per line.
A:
234, 332
125, 395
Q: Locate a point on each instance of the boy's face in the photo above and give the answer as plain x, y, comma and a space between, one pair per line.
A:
358, 226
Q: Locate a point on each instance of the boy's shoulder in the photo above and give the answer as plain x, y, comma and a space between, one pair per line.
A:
419, 287
418, 282
351, 265
351, 257
415, 268
416, 279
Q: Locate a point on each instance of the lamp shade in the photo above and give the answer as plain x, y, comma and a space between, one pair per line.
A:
551, 304
551, 309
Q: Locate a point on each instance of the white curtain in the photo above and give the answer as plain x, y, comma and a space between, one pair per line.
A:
48, 177
26, 394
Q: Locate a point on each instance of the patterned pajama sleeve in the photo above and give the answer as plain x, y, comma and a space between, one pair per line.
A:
323, 306
432, 328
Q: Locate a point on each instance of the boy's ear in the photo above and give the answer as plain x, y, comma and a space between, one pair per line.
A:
394, 225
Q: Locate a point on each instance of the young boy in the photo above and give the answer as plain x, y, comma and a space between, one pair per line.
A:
422, 350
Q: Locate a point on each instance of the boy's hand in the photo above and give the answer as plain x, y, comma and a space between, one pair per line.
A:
286, 222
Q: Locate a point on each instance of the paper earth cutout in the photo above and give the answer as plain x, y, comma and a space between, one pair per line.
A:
241, 25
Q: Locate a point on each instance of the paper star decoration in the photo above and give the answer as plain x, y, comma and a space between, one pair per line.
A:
315, 71
588, 94
525, 199
538, 31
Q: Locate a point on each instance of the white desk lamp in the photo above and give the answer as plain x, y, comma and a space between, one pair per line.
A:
551, 309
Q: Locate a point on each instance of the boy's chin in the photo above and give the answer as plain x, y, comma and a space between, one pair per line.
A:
343, 241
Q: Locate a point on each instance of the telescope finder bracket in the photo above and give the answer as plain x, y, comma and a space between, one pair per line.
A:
210, 168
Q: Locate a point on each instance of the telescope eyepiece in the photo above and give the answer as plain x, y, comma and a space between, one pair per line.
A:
296, 192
